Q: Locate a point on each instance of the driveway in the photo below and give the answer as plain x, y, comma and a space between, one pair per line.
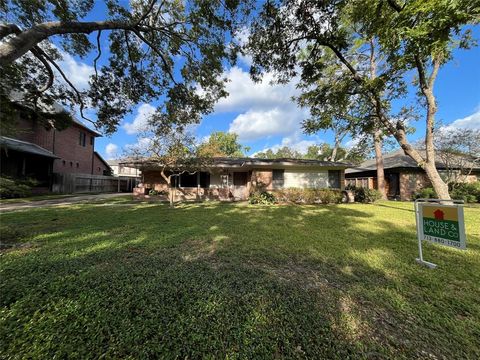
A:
55, 202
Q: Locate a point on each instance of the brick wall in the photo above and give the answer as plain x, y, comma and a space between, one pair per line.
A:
74, 157
411, 182
98, 166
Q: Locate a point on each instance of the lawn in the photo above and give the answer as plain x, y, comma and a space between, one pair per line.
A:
123, 279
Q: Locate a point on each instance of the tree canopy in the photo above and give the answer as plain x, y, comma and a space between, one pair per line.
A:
221, 144
172, 52
329, 43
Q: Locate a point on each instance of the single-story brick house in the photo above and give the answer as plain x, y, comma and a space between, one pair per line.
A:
403, 177
235, 178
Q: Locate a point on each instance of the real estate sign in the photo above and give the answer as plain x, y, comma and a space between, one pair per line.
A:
442, 224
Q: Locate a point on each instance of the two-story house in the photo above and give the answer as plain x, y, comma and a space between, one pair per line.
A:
37, 151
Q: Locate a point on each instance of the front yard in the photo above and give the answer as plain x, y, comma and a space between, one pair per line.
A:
121, 279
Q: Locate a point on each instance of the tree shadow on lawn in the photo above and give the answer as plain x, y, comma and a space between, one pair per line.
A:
224, 280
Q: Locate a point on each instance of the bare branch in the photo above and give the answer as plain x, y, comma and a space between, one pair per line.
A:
38, 53
79, 96
158, 52
149, 10
99, 49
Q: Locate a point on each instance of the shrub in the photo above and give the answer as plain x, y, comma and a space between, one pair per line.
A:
425, 193
468, 192
310, 196
365, 195
262, 197
153, 192
14, 188
328, 196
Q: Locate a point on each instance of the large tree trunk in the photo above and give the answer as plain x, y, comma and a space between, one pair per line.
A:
168, 179
26, 40
377, 140
377, 135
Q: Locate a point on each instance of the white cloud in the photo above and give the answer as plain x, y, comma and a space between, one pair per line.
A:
352, 143
245, 94
76, 71
471, 122
140, 123
256, 124
266, 109
111, 150
141, 147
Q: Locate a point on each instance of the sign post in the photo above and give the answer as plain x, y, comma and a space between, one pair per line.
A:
439, 223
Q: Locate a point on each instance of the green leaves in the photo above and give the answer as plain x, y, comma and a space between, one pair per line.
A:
171, 52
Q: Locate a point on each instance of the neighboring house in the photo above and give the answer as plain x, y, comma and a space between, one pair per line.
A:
38, 151
121, 170
403, 177
235, 178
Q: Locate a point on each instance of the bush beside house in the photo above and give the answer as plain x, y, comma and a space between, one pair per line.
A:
16, 188
468, 192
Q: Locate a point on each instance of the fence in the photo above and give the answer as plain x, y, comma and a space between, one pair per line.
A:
86, 183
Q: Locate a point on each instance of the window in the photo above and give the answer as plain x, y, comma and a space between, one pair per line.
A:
92, 140
204, 180
64, 162
334, 179
82, 139
78, 164
278, 178
188, 180
224, 180
71, 163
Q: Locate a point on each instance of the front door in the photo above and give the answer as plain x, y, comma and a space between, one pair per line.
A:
393, 185
240, 185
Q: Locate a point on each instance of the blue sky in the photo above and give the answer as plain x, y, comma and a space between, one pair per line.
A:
264, 116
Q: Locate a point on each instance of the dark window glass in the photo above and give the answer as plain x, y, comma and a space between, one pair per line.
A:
92, 140
334, 179
278, 178
78, 164
240, 178
82, 139
204, 180
188, 180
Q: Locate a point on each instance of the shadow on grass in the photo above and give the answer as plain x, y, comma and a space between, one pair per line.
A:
226, 280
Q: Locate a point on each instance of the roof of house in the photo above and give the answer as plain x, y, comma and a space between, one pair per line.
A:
26, 147
221, 162
102, 159
392, 160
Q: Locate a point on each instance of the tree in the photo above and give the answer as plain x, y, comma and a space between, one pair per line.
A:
409, 37
459, 150
283, 152
170, 148
221, 144
170, 51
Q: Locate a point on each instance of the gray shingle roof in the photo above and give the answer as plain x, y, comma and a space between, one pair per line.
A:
242, 162
395, 159
26, 147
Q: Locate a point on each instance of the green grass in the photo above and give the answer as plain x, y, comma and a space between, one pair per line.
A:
123, 279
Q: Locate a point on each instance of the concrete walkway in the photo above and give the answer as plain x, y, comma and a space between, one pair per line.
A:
62, 201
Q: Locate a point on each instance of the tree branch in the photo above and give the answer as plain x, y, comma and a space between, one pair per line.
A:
158, 52
38, 53
25, 40
79, 96
99, 49
7, 29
